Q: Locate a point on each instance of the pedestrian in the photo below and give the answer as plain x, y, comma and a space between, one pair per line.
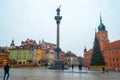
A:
6, 72
103, 69
80, 67
62, 66
116, 69
46, 65
72, 67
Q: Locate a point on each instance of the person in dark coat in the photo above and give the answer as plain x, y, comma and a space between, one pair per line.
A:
103, 69
46, 65
6, 72
72, 67
80, 67
62, 66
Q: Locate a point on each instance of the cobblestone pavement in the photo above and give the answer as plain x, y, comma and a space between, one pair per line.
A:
45, 74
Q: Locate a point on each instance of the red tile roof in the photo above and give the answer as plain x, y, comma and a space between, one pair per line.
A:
112, 45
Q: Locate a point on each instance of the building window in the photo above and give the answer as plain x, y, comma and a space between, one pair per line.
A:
112, 51
114, 64
110, 59
23, 62
116, 51
20, 62
117, 59
106, 57
109, 52
113, 59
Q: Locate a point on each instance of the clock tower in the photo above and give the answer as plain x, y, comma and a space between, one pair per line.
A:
102, 34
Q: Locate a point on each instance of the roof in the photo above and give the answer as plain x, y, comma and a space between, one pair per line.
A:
3, 50
47, 43
112, 45
69, 53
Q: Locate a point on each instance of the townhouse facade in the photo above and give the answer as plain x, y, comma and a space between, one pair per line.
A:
21, 56
71, 59
4, 57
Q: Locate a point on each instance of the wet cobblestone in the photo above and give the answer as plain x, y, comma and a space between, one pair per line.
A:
45, 74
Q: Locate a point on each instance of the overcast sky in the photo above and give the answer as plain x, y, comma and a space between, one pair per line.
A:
34, 19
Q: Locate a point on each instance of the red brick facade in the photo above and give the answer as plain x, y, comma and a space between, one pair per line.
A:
87, 57
112, 54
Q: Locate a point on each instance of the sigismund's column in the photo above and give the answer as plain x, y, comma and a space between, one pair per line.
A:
58, 19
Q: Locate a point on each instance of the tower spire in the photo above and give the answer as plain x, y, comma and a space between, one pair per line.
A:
101, 26
100, 18
85, 49
12, 45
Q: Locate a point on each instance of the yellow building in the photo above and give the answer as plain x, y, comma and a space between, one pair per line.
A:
38, 56
45, 53
41, 57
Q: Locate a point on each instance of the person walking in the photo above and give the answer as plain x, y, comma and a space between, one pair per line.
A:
46, 65
63, 67
6, 72
80, 67
72, 67
103, 69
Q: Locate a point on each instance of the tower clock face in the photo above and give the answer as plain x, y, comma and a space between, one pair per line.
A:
103, 34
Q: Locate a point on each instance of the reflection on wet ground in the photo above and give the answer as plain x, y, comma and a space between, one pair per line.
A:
46, 74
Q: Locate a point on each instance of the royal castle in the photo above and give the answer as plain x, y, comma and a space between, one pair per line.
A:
110, 50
